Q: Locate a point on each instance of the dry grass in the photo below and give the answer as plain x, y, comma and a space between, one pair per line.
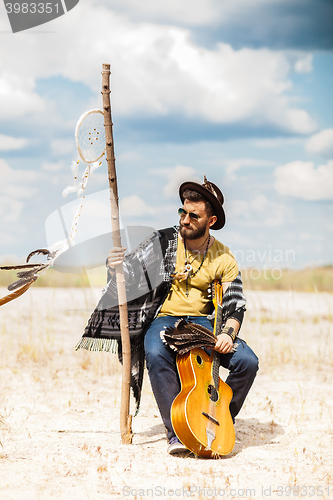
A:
59, 409
311, 279
51, 278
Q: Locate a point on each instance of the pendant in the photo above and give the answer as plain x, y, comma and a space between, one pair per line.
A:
188, 268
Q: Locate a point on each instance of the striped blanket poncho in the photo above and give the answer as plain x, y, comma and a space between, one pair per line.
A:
148, 274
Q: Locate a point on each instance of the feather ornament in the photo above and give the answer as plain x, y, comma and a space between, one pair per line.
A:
17, 293
80, 186
28, 273
186, 335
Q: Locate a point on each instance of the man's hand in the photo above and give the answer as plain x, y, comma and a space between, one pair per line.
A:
224, 343
115, 256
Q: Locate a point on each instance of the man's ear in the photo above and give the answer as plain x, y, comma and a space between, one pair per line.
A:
212, 221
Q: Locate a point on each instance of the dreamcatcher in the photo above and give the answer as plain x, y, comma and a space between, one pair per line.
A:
90, 143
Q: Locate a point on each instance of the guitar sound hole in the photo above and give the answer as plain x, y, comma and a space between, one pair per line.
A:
213, 394
199, 360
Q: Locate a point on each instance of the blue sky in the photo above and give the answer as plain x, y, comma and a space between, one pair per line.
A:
240, 91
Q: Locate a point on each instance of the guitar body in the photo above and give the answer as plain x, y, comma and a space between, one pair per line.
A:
200, 414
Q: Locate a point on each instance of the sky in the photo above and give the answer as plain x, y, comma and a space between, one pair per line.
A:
238, 90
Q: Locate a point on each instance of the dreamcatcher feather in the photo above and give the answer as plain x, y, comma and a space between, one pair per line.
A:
90, 142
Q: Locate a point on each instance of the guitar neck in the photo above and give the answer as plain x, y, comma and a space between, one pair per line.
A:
216, 369
218, 319
217, 329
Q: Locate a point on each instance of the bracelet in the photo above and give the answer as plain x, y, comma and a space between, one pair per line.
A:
229, 331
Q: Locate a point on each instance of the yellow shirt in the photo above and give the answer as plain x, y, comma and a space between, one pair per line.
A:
218, 264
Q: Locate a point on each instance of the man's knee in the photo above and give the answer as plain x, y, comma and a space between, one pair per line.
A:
154, 351
157, 354
247, 361
253, 364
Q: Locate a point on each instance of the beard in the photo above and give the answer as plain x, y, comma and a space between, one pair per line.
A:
191, 233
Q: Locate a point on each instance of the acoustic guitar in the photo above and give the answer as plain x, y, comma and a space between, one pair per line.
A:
200, 413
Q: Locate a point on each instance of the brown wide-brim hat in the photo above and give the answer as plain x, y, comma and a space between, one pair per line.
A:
212, 194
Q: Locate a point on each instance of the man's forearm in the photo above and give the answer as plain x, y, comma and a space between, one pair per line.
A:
233, 323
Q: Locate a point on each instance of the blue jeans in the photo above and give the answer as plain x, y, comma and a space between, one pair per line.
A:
162, 368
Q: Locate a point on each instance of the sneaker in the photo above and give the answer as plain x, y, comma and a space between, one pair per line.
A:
175, 446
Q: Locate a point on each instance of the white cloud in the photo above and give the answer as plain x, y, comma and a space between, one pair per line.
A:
10, 208
176, 176
276, 219
303, 180
132, 157
8, 143
237, 208
52, 167
259, 203
258, 212
15, 186
157, 70
135, 206
237, 163
322, 143
192, 13
279, 142
17, 95
63, 147
198, 13
304, 64
24, 180
19, 190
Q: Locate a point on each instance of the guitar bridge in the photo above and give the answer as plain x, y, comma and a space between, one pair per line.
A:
212, 419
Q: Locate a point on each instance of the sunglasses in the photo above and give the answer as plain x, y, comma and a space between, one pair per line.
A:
182, 214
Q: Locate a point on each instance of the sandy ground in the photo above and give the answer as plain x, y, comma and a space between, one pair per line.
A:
59, 409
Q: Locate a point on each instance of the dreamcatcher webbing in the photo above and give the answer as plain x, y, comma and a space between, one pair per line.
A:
90, 136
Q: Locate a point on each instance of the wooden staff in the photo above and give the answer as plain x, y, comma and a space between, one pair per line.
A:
125, 418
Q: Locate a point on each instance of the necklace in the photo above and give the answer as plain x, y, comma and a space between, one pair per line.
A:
188, 265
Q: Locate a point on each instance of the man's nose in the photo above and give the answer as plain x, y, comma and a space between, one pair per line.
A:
187, 219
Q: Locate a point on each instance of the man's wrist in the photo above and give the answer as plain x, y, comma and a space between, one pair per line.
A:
229, 331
